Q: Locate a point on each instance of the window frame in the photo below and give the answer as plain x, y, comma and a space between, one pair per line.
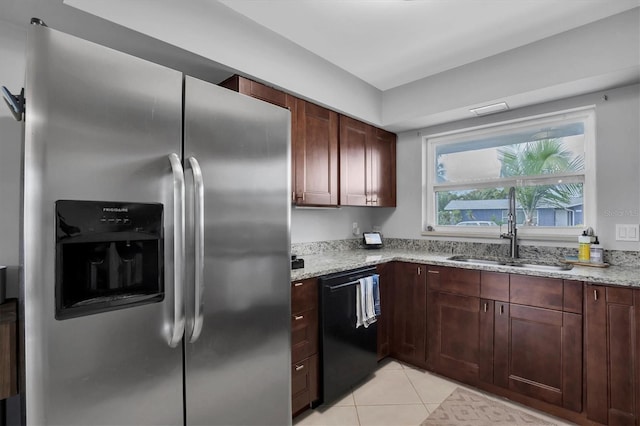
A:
587, 177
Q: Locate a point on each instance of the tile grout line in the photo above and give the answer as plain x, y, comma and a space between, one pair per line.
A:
416, 391
355, 405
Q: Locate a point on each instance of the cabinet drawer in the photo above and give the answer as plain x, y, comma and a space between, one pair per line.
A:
304, 295
304, 383
465, 282
494, 286
536, 291
304, 334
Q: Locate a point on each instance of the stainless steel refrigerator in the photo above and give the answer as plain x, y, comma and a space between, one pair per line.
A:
156, 268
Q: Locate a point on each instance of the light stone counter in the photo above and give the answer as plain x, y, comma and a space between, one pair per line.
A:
329, 262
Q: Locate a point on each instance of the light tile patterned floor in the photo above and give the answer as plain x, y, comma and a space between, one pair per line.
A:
398, 395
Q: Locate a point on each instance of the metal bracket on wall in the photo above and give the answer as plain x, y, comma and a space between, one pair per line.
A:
15, 103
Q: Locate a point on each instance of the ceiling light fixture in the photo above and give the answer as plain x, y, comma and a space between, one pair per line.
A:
490, 109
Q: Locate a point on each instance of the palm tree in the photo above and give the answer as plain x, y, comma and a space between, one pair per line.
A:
541, 157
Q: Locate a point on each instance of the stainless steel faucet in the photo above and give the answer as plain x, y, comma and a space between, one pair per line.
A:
512, 231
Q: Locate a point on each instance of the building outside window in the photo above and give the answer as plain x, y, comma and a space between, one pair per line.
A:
549, 159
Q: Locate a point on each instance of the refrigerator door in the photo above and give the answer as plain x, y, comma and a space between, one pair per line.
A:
237, 370
100, 125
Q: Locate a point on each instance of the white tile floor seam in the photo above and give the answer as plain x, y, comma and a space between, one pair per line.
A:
397, 394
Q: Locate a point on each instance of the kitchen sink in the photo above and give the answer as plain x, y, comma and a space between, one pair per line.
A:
518, 263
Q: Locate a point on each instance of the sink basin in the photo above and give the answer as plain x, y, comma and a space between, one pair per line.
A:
518, 263
543, 266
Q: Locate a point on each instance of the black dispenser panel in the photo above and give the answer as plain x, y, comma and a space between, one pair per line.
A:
109, 255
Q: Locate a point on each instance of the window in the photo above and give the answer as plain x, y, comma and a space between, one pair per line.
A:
548, 159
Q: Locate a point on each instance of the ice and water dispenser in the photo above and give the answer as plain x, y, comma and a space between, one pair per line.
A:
109, 255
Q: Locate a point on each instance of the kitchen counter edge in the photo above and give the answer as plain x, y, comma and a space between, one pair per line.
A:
327, 263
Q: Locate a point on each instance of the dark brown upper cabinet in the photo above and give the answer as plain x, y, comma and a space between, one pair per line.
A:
367, 165
315, 155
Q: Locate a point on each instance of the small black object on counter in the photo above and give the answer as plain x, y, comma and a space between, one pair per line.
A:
296, 263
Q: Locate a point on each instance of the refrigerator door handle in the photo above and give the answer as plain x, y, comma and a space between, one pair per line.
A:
177, 329
198, 184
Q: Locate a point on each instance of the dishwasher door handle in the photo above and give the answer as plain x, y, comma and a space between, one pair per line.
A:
339, 286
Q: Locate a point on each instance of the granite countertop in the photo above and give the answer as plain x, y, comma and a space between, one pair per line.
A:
329, 262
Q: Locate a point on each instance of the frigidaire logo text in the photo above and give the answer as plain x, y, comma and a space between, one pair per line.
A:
115, 209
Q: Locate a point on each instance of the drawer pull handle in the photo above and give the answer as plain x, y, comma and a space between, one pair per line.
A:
501, 309
595, 294
299, 367
433, 272
297, 284
486, 306
298, 317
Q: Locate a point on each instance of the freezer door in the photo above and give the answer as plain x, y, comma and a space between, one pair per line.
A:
100, 125
238, 368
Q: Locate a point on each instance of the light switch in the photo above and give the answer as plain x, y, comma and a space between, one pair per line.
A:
627, 232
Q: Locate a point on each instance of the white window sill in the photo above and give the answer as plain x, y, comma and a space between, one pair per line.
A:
496, 238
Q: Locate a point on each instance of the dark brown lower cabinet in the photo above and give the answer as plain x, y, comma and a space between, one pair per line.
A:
543, 352
409, 313
304, 344
454, 339
612, 348
304, 384
8, 349
385, 324
533, 347
454, 322
527, 347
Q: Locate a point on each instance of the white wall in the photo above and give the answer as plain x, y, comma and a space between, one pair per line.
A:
308, 225
12, 67
617, 163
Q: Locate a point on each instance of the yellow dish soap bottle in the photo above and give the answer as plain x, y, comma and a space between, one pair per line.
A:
584, 247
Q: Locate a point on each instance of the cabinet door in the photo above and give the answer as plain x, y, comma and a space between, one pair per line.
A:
545, 353
494, 327
386, 272
409, 310
315, 155
354, 159
367, 165
611, 354
494, 342
454, 324
383, 168
304, 384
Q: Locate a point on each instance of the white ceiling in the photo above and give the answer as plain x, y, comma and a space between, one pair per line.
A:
388, 43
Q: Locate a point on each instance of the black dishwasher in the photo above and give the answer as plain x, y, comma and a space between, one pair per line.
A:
347, 354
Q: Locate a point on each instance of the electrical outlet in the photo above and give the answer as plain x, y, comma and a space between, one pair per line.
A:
627, 232
355, 229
